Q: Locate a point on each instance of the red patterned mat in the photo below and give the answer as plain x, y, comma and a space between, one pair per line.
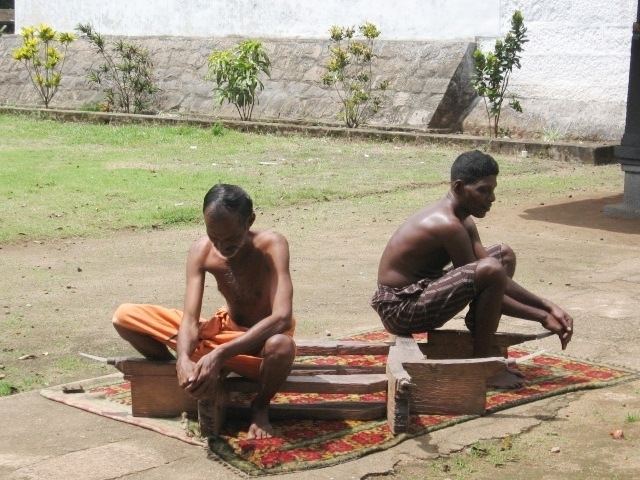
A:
304, 444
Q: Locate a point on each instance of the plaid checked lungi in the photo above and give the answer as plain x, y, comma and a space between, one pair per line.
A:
430, 302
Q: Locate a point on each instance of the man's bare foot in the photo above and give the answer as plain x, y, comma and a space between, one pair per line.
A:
260, 426
505, 380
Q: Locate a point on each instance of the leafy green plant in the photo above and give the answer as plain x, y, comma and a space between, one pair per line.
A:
40, 52
236, 74
632, 417
125, 74
7, 388
91, 107
217, 129
350, 72
551, 134
492, 71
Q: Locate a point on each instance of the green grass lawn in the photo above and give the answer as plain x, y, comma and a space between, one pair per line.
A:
62, 180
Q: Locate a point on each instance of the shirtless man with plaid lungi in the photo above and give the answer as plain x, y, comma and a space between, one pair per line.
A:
417, 292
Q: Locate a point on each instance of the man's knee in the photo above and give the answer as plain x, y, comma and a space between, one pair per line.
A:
122, 315
490, 271
280, 347
508, 257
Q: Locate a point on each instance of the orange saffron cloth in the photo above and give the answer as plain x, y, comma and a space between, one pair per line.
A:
162, 324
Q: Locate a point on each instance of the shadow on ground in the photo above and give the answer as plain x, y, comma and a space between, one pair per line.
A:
584, 213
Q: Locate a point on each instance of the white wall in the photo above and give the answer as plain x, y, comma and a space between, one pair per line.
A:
574, 72
575, 67
398, 19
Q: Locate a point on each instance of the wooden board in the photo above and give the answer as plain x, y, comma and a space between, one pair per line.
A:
399, 383
159, 396
212, 411
320, 411
7, 15
458, 387
443, 344
356, 383
309, 369
142, 366
340, 347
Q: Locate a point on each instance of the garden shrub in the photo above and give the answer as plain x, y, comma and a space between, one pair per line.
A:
40, 52
125, 74
492, 71
236, 74
350, 72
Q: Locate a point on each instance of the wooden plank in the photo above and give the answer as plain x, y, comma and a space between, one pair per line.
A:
443, 344
442, 387
357, 383
320, 411
212, 411
340, 347
311, 369
159, 396
142, 366
399, 383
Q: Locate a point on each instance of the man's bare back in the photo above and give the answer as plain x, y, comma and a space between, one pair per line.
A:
417, 249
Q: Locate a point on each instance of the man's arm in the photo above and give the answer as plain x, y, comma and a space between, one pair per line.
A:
187, 340
521, 303
279, 321
456, 240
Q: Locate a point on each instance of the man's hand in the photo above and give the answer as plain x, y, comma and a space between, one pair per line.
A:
184, 368
559, 322
204, 375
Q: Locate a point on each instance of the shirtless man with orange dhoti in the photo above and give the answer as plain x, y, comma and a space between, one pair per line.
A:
252, 335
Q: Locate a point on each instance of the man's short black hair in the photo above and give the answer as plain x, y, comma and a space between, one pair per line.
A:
472, 166
232, 197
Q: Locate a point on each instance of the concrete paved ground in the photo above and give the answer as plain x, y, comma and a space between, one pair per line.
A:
42, 439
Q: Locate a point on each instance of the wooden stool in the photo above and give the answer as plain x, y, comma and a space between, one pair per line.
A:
155, 391
445, 381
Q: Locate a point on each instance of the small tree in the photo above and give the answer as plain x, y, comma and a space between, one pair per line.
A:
42, 59
125, 74
236, 74
350, 72
492, 71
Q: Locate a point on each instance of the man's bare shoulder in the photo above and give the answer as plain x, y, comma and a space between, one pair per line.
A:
438, 222
201, 246
267, 240
203, 253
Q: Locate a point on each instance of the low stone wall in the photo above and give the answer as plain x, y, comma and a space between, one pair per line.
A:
430, 87
584, 152
422, 74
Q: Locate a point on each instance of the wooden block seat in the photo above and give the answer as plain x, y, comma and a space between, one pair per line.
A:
446, 381
440, 377
155, 391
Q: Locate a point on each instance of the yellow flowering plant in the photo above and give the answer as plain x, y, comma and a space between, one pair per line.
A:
349, 70
43, 52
